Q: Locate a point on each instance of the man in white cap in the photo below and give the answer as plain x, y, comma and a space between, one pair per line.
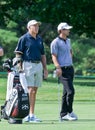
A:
61, 52
31, 49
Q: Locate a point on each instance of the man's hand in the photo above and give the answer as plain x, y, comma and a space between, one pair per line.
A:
45, 73
58, 72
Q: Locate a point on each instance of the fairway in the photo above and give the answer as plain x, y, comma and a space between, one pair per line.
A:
49, 113
47, 64
47, 108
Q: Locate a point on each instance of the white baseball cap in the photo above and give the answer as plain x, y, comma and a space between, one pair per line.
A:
33, 22
63, 26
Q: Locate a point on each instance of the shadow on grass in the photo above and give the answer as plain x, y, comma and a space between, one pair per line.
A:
48, 122
56, 122
86, 120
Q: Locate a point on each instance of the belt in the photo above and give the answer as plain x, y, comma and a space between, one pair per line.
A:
36, 62
67, 67
33, 61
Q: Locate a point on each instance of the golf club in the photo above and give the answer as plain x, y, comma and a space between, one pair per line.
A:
59, 100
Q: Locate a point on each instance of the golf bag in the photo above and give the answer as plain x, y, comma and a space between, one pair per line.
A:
17, 98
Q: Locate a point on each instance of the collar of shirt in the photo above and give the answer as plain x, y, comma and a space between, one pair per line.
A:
28, 34
62, 39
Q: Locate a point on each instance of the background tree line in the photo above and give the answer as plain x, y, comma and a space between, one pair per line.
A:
14, 16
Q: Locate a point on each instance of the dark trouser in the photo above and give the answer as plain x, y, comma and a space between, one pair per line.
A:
68, 90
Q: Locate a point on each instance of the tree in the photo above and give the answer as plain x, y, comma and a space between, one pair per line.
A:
79, 13
89, 61
9, 41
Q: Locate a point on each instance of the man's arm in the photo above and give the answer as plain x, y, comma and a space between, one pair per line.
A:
1, 52
58, 68
54, 59
43, 60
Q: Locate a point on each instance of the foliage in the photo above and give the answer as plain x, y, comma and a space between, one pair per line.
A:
48, 54
78, 54
90, 60
9, 41
83, 54
14, 16
79, 13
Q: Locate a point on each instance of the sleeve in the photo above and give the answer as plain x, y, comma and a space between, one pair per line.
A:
54, 47
20, 46
69, 41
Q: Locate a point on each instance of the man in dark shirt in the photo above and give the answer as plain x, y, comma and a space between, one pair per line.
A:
31, 49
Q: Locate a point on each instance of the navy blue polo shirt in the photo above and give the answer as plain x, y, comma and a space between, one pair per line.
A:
30, 48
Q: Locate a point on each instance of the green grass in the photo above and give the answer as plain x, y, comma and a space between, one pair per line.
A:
3, 87
50, 88
47, 108
49, 113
